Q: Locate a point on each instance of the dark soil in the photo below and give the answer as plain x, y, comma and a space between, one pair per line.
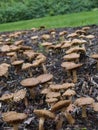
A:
87, 84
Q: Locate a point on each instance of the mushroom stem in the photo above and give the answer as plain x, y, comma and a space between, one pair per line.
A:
84, 115
41, 123
32, 92
97, 64
44, 68
74, 76
15, 126
69, 118
59, 123
68, 73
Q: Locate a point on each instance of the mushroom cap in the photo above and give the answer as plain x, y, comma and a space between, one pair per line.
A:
69, 92
57, 87
72, 35
71, 56
85, 28
5, 48
70, 65
29, 53
84, 101
34, 37
95, 56
45, 36
19, 95
44, 113
43, 78
62, 33
6, 97
90, 36
18, 42
95, 106
53, 94
66, 45
59, 105
17, 62
51, 100
46, 44
78, 41
14, 48
3, 69
13, 117
45, 91
11, 54
26, 66
30, 82
75, 49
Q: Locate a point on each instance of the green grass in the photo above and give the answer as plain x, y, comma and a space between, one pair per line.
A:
69, 20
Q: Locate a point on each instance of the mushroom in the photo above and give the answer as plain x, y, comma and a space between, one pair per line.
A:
14, 118
12, 55
51, 101
30, 83
95, 56
90, 37
17, 64
76, 49
45, 79
20, 95
83, 102
30, 54
34, 39
72, 57
43, 114
69, 93
62, 34
71, 66
4, 69
27, 66
40, 59
45, 37
95, 106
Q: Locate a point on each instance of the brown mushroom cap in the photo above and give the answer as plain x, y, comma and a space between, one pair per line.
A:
84, 101
45, 91
95, 106
45, 36
30, 82
19, 95
34, 37
5, 48
18, 42
6, 97
46, 44
71, 56
53, 95
44, 113
59, 105
90, 36
85, 28
51, 100
17, 62
69, 92
76, 49
78, 41
26, 66
3, 69
72, 35
95, 56
13, 117
44, 78
70, 65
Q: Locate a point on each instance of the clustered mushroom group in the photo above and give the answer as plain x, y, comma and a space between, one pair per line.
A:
31, 71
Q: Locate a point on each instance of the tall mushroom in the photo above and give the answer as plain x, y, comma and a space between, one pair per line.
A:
14, 118
71, 66
83, 102
43, 114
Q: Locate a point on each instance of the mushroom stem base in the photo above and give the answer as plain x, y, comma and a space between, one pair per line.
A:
15, 127
84, 115
41, 123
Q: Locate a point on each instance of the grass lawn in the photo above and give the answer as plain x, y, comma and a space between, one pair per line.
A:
69, 20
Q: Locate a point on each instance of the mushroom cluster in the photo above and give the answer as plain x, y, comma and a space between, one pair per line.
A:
47, 83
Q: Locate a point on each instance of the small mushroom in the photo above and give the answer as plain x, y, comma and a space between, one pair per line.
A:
14, 118
43, 114
72, 57
95, 56
69, 93
83, 102
71, 66
30, 83
4, 69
